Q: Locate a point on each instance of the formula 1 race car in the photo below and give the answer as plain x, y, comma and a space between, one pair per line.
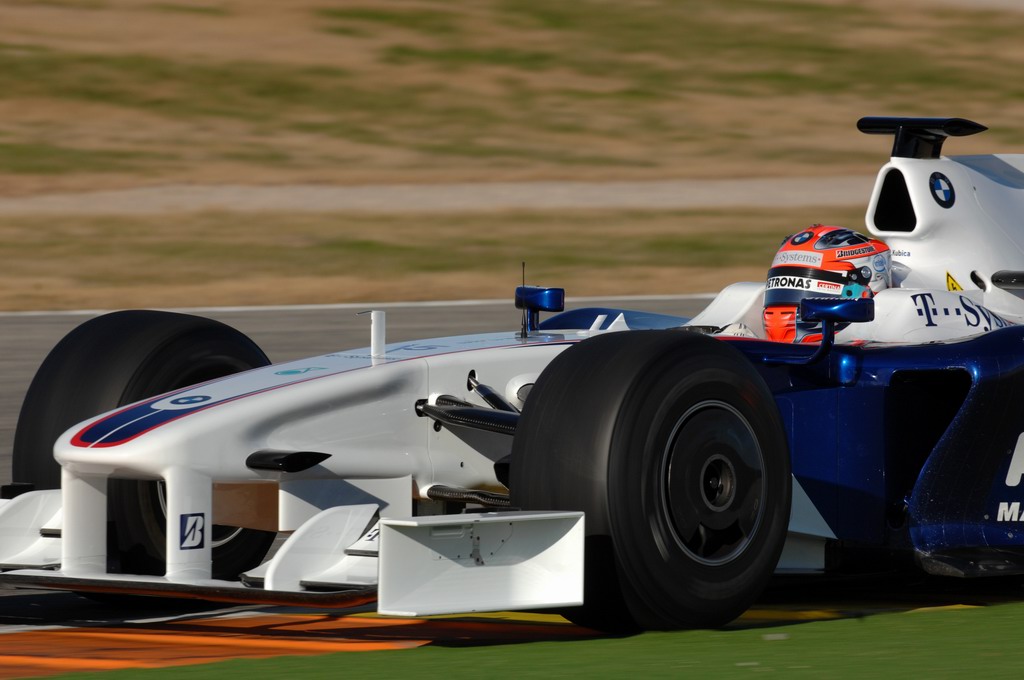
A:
634, 470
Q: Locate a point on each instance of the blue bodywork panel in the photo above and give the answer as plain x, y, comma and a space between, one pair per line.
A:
909, 441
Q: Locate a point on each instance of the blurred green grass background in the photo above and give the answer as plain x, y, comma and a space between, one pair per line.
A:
204, 259
115, 94
753, 87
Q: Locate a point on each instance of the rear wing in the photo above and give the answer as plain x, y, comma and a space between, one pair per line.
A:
918, 137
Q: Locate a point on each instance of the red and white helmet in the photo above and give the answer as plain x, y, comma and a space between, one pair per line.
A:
822, 261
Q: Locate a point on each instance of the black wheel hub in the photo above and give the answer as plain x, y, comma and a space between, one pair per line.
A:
718, 482
713, 472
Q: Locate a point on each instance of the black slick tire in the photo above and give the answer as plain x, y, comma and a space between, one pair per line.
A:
671, 443
114, 360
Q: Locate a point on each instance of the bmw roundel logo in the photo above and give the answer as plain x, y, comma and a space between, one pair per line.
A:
942, 190
802, 237
194, 399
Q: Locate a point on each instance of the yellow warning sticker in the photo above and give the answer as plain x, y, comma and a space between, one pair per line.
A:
951, 283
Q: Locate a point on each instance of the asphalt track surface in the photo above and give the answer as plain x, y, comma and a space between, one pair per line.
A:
45, 633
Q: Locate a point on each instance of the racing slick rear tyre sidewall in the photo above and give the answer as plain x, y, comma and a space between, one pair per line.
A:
672, 445
114, 360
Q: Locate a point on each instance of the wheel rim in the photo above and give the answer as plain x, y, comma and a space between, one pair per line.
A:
713, 472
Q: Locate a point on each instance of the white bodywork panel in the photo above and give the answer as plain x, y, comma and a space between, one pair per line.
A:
980, 234
804, 550
23, 524
358, 407
480, 562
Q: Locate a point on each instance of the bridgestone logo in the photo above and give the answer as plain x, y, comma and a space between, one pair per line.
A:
855, 251
193, 531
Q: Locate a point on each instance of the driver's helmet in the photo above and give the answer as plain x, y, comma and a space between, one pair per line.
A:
821, 261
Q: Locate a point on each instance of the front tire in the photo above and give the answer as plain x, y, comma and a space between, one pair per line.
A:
671, 444
114, 360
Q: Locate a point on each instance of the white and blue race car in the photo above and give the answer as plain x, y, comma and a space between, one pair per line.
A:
633, 470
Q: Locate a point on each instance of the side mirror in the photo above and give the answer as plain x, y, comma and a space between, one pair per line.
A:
537, 299
837, 310
829, 311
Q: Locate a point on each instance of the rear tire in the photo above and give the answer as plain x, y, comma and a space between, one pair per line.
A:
672, 445
114, 360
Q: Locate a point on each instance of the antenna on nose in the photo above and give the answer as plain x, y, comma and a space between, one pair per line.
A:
525, 330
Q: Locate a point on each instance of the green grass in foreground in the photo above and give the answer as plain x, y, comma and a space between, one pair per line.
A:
980, 642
